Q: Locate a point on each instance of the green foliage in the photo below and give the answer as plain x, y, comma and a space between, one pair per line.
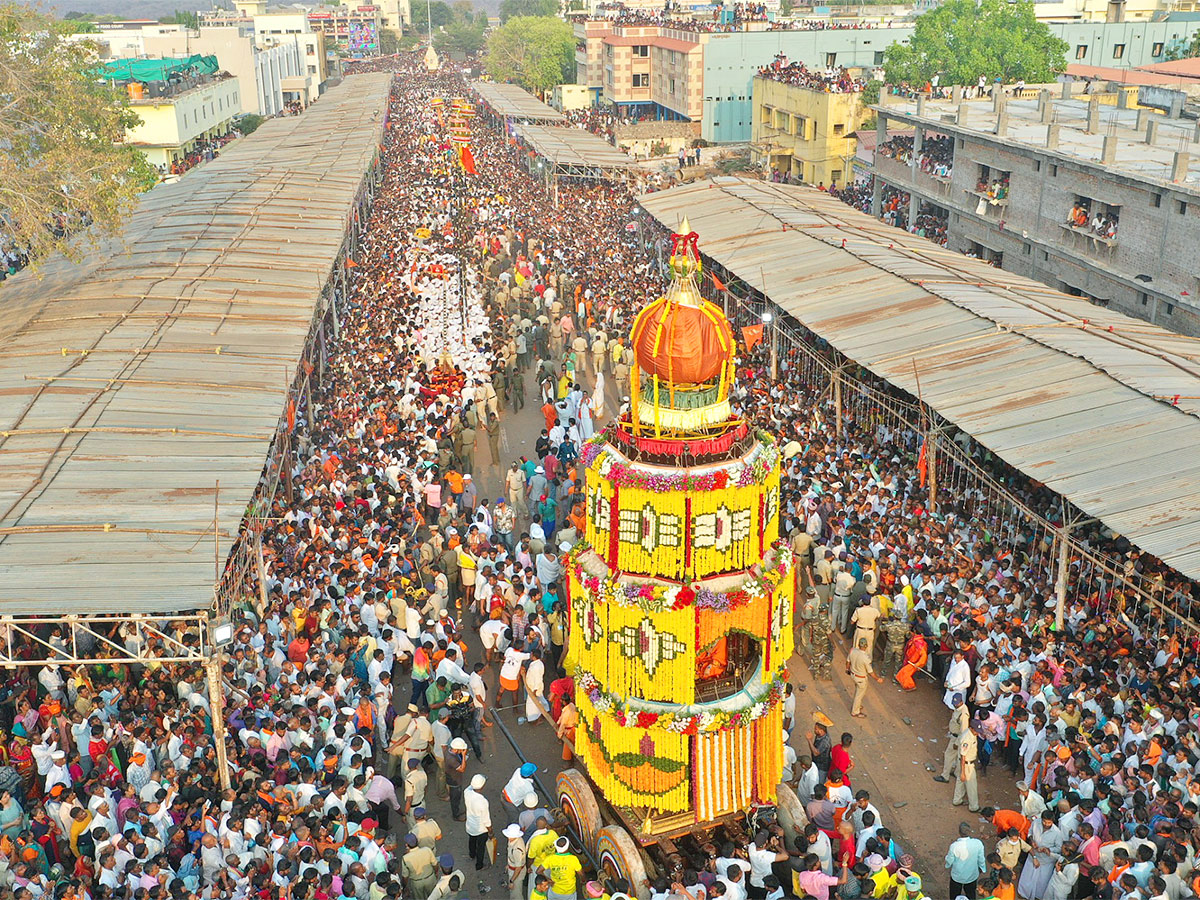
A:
441, 12
182, 17
511, 9
1182, 50
76, 26
248, 124
870, 94
536, 52
463, 36
964, 39
64, 164
389, 42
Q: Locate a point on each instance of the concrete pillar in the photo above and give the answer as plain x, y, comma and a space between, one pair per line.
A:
1196, 134
1066, 91
956, 93
962, 114
1122, 99
1109, 154
1179, 166
1176, 106
1143, 116
997, 98
876, 197
1002, 122
920, 104
881, 127
1093, 115
913, 203
1052, 135
1047, 110
1152, 131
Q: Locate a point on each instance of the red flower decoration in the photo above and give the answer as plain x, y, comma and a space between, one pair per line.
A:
720, 478
684, 597
693, 726
646, 719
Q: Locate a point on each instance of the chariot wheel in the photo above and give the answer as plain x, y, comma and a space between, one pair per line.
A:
579, 805
619, 855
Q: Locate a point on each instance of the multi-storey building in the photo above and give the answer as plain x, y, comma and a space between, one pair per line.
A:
703, 72
1098, 200
805, 132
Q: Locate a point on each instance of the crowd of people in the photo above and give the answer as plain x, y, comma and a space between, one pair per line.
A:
717, 21
830, 80
204, 150
1102, 224
404, 604
935, 158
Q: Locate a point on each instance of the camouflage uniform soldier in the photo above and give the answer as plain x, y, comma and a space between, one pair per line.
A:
895, 633
805, 613
821, 661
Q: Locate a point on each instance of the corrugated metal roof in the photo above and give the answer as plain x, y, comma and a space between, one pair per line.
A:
574, 147
1076, 396
132, 382
508, 100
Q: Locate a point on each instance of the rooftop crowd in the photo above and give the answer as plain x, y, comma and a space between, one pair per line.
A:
831, 80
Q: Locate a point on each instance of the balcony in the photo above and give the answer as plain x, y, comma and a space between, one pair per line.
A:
1088, 241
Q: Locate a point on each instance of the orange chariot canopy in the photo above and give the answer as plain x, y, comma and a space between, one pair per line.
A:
682, 343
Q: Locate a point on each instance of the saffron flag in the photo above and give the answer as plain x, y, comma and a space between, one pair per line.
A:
718, 283
468, 160
922, 464
752, 334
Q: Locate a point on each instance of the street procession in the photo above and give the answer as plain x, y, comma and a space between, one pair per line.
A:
607, 545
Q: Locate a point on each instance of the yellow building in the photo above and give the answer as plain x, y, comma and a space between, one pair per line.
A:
568, 97
173, 122
805, 132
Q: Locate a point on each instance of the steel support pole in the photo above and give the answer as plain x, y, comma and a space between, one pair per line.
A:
1060, 582
774, 352
216, 699
837, 401
931, 468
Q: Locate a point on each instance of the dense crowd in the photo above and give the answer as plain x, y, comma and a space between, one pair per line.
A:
354, 707
741, 14
830, 80
936, 156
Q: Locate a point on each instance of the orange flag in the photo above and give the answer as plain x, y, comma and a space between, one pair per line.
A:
468, 160
752, 334
718, 283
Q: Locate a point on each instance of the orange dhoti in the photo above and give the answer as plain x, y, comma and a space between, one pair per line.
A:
916, 654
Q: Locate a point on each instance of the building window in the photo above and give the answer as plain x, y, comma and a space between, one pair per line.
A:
1081, 51
672, 82
1037, 165
1156, 200
1170, 308
1118, 51
1181, 207
1053, 170
879, 57
1028, 249
642, 80
641, 51
1144, 298
839, 129
1156, 48
830, 60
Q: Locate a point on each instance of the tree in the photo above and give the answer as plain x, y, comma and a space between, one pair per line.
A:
464, 37
1182, 49
964, 39
537, 52
389, 42
441, 12
65, 164
511, 9
182, 17
248, 124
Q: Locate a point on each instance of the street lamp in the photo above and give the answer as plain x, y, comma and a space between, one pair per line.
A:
767, 319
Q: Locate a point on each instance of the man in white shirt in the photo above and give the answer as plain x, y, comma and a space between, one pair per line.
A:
479, 821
